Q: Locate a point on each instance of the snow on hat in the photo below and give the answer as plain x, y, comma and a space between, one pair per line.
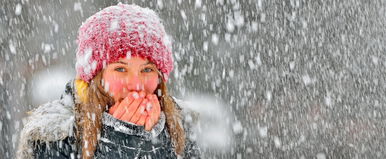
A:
122, 31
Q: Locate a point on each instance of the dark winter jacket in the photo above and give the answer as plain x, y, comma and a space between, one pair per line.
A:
49, 133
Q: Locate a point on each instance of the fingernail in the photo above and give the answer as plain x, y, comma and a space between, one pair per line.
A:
135, 95
141, 110
142, 94
148, 106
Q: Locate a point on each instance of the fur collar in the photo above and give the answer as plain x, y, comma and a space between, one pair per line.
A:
49, 122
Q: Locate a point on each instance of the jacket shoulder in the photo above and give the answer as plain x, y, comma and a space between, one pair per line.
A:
190, 119
65, 148
52, 121
190, 116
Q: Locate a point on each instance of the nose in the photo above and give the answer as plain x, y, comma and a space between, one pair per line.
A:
134, 82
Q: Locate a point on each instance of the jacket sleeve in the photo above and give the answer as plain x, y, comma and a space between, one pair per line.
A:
189, 120
192, 150
62, 149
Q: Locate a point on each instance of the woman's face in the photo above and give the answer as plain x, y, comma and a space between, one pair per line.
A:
130, 74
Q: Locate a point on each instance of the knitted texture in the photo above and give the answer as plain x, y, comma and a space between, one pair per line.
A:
122, 31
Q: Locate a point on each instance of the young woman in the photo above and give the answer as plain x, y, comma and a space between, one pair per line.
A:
118, 106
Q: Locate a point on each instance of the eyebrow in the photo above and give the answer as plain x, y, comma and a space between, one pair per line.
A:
121, 62
148, 62
125, 63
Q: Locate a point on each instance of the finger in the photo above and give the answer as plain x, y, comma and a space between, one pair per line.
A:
148, 123
156, 108
142, 119
149, 106
154, 111
131, 109
149, 96
113, 108
121, 108
139, 112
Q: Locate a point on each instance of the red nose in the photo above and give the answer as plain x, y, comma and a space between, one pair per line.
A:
134, 83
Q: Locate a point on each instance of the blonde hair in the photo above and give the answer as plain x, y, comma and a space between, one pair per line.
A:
92, 101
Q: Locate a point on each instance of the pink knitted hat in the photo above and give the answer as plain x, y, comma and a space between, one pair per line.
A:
120, 31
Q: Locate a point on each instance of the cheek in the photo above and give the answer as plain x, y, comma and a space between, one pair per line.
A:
151, 84
115, 86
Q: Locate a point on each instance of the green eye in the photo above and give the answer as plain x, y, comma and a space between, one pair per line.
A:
147, 69
120, 69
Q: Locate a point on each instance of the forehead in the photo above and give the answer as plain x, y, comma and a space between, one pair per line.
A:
133, 60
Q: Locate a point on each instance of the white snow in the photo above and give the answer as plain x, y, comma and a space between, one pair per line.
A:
321, 156
12, 48
237, 127
8, 115
106, 86
258, 60
230, 25
231, 73
260, 3
292, 65
277, 142
268, 95
214, 128
375, 60
128, 55
183, 15
254, 26
205, 46
307, 80
239, 19
227, 37
239, 156
18, 9
241, 58
135, 95
262, 17
114, 25
249, 150
48, 85
302, 138
46, 48
252, 65
148, 106
198, 4
160, 4
214, 38
84, 60
56, 27
17, 125
327, 100
78, 7
263, 131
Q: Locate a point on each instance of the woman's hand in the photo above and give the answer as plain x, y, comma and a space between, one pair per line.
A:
138, 108
153, 109
126, 109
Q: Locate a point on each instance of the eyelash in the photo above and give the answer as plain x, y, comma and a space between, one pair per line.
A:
150, 70
119, 69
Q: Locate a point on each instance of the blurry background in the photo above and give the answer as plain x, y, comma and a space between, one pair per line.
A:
296, 78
